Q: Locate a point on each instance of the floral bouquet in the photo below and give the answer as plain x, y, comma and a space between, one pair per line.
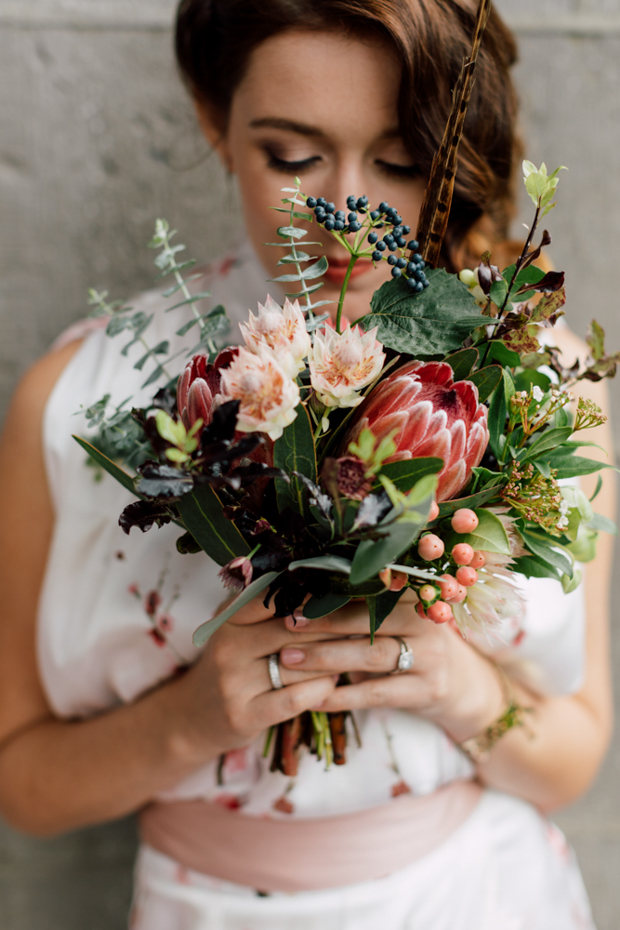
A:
420, 448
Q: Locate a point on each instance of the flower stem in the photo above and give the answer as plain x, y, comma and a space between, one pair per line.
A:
343, 291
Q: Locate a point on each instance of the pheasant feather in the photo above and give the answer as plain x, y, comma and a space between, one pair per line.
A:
435, 211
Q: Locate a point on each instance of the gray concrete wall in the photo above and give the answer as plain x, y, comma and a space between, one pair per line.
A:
97, 139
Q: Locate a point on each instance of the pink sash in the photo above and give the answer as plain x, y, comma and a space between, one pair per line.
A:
307, 854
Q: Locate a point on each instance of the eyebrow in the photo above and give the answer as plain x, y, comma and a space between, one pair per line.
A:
274, 122
303, 129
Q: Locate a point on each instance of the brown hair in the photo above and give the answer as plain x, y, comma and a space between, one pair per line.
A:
215, 38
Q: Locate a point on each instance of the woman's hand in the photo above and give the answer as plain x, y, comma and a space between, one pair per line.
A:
228, 695
450, 683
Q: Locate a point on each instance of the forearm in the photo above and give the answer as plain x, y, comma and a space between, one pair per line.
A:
59, 775
553, 758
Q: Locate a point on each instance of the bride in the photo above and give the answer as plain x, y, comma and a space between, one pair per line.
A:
106, 708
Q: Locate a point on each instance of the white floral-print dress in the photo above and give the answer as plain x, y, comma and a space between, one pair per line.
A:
116, 617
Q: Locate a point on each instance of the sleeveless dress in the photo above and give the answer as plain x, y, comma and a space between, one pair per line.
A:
116, 617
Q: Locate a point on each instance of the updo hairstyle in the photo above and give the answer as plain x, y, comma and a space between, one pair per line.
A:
430, 38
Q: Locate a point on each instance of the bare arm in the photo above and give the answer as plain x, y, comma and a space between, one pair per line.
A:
56, 775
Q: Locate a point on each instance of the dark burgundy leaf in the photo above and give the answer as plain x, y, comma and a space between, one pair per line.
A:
186, 544
321, 501
246, 474
159, 480
552, 282
222, 425
532, 256
144, 514
166, 399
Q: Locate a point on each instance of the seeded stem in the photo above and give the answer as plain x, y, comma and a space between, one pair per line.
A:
343, 290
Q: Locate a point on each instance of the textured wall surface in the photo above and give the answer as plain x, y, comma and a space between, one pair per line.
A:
97, 140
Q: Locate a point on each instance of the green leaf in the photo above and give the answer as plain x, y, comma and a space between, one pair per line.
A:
489, 535
408, 472
533, 567
486, 380
205, 630
380, 606
318, 607
470, 503
502, 354
462, 363
541, 545
330, 563
189, 300
434, 322
573, 466
108, 465
497, 421
509, 387
525, 379
295, 451
202, 516
549, 440
371, 557
602, 524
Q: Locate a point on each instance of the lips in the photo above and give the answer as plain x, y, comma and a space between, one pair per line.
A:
337, 270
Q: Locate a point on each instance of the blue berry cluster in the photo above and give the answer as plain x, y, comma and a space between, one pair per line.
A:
411, 269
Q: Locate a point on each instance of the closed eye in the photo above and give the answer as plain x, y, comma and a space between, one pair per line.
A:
288, 167
398, 171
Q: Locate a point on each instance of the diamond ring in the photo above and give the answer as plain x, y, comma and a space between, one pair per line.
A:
405, 657
274, 671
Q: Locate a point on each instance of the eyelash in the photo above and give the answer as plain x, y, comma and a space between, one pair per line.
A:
280, 164
399, 171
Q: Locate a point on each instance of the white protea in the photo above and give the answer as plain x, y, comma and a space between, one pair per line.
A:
492, 605
267, 393
341, 364
279, 331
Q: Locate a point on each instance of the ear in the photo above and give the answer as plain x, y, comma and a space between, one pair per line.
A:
212, 128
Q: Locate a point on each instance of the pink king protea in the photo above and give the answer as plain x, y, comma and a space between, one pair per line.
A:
431, 416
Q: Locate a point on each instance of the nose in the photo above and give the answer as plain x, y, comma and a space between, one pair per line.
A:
347, 177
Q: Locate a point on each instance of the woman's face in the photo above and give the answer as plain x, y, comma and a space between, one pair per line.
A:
322, 107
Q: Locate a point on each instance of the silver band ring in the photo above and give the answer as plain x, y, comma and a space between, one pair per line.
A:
274, 671
405, 657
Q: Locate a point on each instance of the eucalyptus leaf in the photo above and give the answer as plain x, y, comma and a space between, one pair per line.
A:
205, 630
434, 322
602, 524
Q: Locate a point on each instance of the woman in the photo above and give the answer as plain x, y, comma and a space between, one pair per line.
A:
94, 722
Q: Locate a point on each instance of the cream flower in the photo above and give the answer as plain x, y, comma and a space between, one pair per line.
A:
492, 603
341, 364
281, 332
268, 395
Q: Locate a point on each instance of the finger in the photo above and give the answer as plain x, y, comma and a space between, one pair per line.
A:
262, 639
276, 706
261, 676
406, 690
343, 655
354, 620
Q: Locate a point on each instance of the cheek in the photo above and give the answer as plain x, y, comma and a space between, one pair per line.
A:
260, 191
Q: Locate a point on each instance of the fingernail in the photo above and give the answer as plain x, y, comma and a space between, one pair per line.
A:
335, 679
298, 617
292, 656
292, 624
